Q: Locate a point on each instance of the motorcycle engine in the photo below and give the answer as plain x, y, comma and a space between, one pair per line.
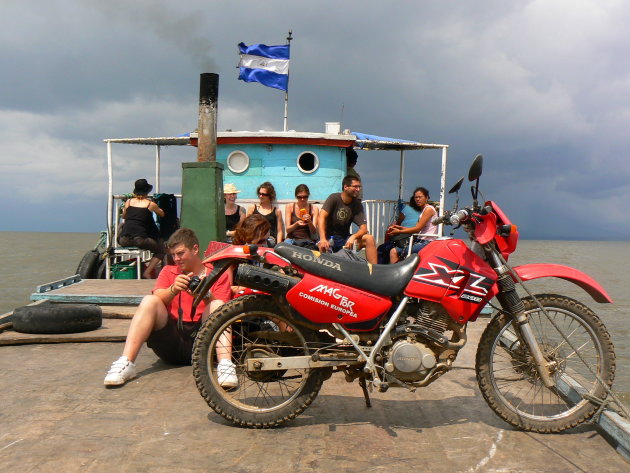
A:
410, 360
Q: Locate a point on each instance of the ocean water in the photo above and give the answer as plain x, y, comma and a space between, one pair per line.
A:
31, 258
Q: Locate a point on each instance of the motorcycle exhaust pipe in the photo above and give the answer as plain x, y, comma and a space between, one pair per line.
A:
266, 280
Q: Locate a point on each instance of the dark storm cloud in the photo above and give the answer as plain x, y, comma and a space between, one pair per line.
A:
540, 88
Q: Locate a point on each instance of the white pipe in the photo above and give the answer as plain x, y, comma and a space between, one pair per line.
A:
157, 169
110, 173
401, 174
442, 190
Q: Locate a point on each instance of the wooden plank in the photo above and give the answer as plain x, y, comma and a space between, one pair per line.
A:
112, 330
617, 428
58, 284
100, 291
88, 298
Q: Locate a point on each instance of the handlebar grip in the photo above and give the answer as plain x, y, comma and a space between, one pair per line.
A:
460, 216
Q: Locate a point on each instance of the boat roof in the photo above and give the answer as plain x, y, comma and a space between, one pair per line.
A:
359, 140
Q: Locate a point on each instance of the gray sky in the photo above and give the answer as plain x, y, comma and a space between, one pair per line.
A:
540, 88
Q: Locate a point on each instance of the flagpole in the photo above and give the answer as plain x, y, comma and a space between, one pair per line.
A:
286, 92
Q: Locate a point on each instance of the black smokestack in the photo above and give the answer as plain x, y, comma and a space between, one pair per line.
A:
207, 128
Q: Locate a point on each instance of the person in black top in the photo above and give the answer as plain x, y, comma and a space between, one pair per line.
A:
267, 195
337, 214
234, 214
139, 228
301, 218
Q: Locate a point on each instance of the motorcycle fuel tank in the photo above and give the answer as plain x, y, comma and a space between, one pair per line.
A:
324, 301
457, 278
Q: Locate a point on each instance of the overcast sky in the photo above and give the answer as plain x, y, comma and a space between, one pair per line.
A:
540, 88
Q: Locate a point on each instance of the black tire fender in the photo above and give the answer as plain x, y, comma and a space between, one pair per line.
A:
57, 318
88, 265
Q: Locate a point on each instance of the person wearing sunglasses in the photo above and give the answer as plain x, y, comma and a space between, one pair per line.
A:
267, 196
301, 218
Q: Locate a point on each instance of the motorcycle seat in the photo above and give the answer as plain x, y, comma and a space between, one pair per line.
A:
385, 279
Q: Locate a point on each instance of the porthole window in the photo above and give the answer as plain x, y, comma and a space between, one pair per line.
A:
238, 161
308, 162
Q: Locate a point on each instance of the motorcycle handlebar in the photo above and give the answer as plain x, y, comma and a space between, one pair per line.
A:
453, 218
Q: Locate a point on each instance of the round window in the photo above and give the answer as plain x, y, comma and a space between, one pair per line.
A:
308, 162
238, 161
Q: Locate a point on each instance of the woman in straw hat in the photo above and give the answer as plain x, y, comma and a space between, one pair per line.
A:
234, 214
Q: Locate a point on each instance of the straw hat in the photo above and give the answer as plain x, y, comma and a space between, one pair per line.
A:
230, 189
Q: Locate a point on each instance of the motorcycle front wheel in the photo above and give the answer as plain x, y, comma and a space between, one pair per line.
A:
508, 378
254, 327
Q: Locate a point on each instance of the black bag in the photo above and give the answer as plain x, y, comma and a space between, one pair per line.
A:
400, 240
349, 255
306, 243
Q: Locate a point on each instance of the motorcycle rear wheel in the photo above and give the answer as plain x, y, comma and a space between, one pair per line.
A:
262, 399
512, 387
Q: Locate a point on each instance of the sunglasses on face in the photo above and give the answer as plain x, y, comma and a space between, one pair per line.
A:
302, 197
262, 194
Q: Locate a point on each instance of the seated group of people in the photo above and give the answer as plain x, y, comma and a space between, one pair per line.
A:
327, 229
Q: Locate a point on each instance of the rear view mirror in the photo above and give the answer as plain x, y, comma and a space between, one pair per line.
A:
457, 186
475, 168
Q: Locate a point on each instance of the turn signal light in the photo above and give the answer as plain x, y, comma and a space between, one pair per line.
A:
250, 249
507, 230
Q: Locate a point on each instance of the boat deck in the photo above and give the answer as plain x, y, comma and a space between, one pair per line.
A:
57, 416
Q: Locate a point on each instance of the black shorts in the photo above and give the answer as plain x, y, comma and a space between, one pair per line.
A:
174, 346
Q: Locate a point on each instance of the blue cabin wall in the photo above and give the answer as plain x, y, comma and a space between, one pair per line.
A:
278, 165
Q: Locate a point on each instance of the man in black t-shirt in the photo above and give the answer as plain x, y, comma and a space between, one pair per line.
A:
337, 214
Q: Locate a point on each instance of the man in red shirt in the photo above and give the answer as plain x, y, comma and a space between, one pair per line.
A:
155, 320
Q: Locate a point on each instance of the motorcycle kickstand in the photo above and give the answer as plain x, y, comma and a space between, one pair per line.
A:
366, 394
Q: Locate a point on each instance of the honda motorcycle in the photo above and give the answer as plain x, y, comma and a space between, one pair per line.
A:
544, 362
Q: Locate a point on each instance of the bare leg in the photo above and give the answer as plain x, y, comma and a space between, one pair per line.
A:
151, 315
148, 273
393, 256
224, 347
370, 248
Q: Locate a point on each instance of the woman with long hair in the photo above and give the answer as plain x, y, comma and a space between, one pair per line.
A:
301, 217
417, 217
253, 230
267, 196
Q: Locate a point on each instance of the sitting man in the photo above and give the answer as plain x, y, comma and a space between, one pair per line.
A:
155, 320
337, 214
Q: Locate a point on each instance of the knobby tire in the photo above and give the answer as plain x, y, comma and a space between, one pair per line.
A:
510, 383
263, 399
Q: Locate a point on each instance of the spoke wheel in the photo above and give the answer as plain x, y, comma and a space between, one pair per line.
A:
256, 329
509, 380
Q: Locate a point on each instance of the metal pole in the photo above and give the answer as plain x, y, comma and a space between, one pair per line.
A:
157, 169
400, 180
442, 190
286, 93
207, 128
110, 205
110, 189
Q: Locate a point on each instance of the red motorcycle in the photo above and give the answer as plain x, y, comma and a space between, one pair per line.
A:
543, 363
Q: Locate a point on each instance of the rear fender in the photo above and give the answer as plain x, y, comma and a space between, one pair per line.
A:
528, 272
239, 252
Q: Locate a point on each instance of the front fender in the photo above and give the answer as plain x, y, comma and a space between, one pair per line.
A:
527, 272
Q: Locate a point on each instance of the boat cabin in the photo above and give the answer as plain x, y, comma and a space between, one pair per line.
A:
285, 159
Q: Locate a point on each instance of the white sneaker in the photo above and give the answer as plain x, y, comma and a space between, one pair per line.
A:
122, 370
226, 372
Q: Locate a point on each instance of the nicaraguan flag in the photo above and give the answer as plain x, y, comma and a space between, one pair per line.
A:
268, 65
